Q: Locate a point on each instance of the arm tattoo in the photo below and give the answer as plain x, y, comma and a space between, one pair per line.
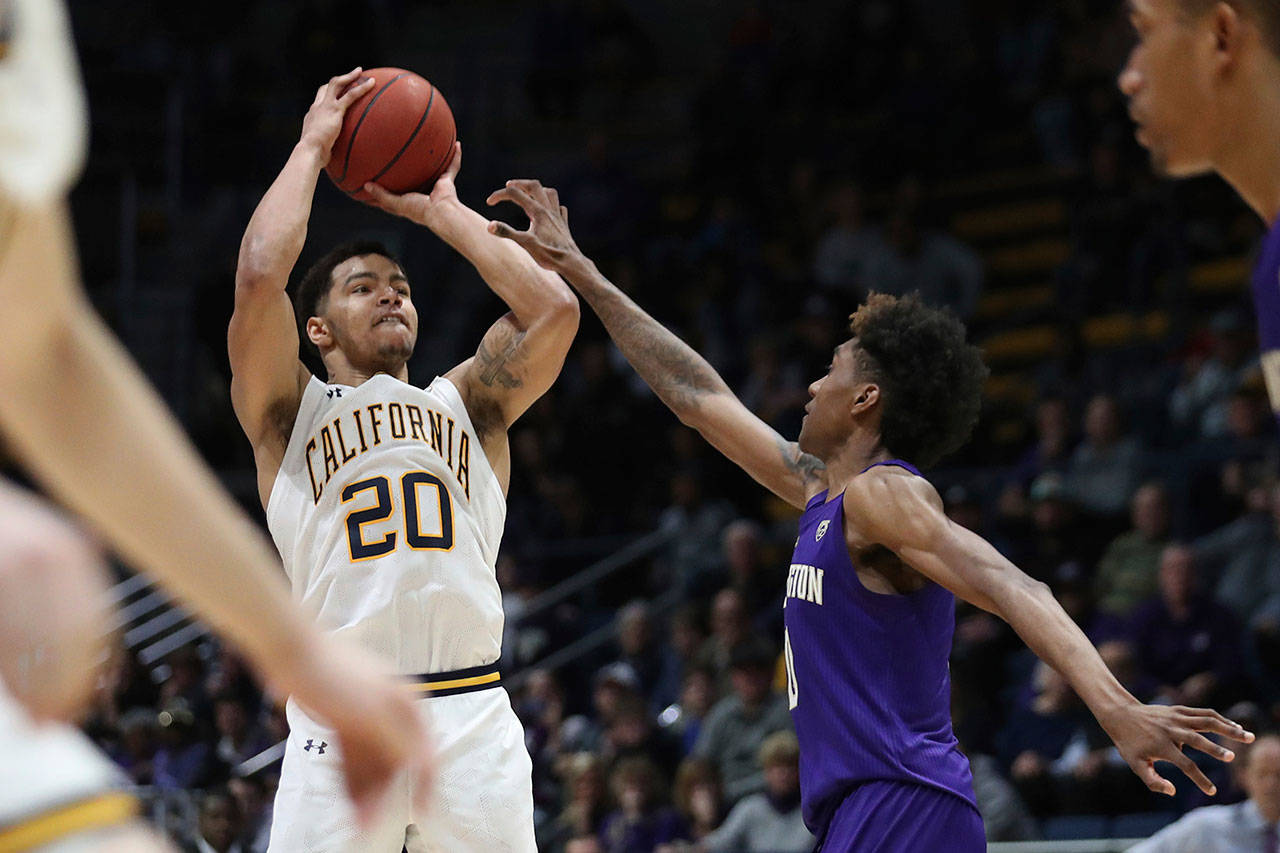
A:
807, 466
493, 365
672, 368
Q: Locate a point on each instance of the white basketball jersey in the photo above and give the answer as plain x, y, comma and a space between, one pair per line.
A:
388, 519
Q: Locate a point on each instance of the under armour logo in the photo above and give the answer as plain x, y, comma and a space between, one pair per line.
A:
311, 743
822, 530
334, 392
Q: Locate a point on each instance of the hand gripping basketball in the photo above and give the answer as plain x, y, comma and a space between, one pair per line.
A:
323, 121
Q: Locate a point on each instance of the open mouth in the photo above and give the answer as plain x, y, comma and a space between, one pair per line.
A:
392, 318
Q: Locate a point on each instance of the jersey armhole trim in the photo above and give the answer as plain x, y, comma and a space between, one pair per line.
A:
301, 423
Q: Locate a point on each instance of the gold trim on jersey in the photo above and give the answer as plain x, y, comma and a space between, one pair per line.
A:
458, 681
100, 812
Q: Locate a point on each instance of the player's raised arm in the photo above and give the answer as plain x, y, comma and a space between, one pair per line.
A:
267, 378
522, 353
683, 379
904, 514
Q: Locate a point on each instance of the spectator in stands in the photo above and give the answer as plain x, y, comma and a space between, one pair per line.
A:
698, 797
738, 724
848, 247
641, 821
1036, 738
684, 718
742, 544
1104, 468
1005, 816
1246, 827
1057, 535
1053, 445
730, 628
636, 646
1185, 640
1244, 557
632, 732
944, 270
770, 821
239, 736
684, 643
1127, 572
220, 825
1200, 404
136, 748
586, 802
186, 681
255, 808
184, 760
697, 523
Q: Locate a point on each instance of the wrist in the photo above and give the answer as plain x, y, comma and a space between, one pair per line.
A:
312, 152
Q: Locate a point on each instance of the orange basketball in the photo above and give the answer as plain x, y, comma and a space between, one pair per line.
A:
399, 135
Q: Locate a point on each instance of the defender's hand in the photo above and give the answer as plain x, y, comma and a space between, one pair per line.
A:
379, 730
548, 240
421, 208
1145, 734
323, 121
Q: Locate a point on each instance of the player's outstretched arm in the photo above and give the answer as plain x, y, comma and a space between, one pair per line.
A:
267, 378
904, 513
681, 378
522, 353
86, 424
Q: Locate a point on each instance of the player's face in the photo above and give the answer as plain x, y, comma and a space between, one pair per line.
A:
1170, 82
827, 418
370, 313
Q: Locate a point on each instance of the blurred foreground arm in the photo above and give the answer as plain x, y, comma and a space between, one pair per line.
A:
89, 428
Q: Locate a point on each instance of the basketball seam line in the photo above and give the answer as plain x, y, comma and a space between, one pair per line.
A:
403, 148
346, 161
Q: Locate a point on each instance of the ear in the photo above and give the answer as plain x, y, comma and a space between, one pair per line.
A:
318, 333
1228, 32
865, 398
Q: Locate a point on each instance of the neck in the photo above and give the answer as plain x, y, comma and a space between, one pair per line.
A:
342, 372
1251, 161
859, 452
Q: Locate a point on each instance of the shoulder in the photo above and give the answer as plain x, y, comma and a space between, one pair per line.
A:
891, 500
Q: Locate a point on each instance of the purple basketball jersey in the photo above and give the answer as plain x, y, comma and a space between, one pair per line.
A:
1266, 300
867, 674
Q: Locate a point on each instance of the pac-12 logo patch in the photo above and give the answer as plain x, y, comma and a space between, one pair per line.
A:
822, 530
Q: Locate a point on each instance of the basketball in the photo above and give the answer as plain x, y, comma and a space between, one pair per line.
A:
400, 134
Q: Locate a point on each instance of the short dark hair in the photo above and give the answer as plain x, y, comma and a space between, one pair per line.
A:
313, 290
930, 378
1266, 13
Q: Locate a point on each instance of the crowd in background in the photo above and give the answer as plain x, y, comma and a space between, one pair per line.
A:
750, 204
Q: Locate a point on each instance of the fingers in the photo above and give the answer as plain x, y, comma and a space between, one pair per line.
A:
1208, 747
553, 198
1207, 720
1194, 773
455, 163
521, 192
505, 231
383, 199
1153, 780
355, 91
564, 214
343, 80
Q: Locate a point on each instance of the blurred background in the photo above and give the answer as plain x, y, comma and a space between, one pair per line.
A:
748, 171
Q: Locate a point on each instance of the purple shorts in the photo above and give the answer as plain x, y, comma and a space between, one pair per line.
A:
899, 817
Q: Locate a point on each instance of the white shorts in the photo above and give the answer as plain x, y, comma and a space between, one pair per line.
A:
54, 784
482, 800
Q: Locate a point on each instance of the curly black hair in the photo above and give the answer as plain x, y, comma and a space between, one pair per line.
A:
313, 290
930, 378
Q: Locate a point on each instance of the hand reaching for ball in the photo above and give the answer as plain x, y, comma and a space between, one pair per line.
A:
548, 240
323, 121
418, 207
